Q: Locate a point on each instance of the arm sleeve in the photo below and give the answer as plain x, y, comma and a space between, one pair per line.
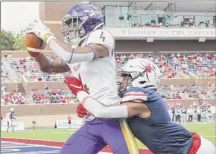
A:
71, 56
101, 111
101, 37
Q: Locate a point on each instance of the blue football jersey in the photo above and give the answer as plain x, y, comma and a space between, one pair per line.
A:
157, 131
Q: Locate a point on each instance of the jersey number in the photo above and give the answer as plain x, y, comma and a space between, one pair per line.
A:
102, 36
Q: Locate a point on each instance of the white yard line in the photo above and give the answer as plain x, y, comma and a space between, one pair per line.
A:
56, 132
208, 136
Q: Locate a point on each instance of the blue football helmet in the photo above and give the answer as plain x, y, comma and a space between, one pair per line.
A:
79, 21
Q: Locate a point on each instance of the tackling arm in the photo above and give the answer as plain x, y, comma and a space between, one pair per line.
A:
102, 111
99, 110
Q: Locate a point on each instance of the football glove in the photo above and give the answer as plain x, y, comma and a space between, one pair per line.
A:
41, 30
74, 84
81, 111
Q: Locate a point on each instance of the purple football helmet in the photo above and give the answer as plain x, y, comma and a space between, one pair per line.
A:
79, 21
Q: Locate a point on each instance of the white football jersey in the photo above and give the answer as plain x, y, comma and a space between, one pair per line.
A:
10, 116
98, 76
7, 117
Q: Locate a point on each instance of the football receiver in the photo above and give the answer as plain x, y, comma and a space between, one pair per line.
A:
88, 53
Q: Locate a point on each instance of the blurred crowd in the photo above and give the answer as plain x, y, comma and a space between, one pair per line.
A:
186, 92
28, 68
46, 96
162, 62
202, 65
171, 65
8, 98
183, 24
174, 65
52, 96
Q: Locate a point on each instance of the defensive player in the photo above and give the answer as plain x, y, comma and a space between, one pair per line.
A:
93, 61
10, 118
150, 121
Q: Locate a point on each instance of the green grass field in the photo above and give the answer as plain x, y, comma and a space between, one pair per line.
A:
206, 130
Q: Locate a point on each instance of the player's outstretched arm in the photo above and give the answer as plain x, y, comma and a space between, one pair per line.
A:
99, 43
55, 66
79, 54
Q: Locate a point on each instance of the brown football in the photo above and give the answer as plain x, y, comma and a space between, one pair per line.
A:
32, 41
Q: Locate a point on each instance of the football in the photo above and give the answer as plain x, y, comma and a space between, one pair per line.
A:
32, 41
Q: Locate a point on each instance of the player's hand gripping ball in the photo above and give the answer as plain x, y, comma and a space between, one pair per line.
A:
37, 35
32, 41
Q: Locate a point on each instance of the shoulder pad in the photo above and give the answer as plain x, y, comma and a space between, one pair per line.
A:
135, 89
102, 37
134, 96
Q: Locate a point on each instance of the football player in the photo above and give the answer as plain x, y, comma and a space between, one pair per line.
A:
190, 114
91, 59
10, 118
150, 121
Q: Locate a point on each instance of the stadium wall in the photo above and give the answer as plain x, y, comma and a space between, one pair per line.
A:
44, 114
44, 120
22, 54
128, 46
167, 46
141, 46
11, 87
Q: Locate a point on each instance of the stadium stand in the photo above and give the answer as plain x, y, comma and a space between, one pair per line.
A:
171, 66
187, 65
